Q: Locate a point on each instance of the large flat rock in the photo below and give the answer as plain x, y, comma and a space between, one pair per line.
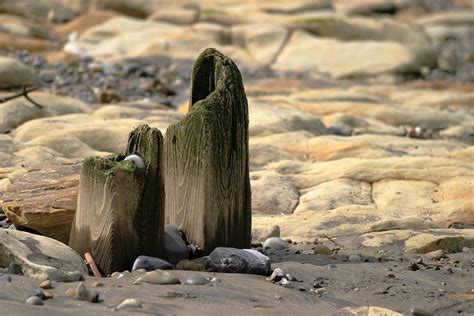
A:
44, 199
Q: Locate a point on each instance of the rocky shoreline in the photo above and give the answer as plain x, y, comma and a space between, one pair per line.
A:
361, 143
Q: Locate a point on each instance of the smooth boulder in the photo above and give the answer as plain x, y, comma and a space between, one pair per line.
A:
232, 260
40, 257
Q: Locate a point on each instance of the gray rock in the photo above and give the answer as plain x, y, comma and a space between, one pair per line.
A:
175, 247
40, 294
129, 303
82, 293
275, 243
94, 298
34, 300
40, 257
232, 260
5, 278
330, 266
196, 280
158, 277
151, 263
277, 275
322, 250
14, 268
354, 258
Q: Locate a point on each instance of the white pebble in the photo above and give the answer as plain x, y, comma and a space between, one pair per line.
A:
137, 160
129, 303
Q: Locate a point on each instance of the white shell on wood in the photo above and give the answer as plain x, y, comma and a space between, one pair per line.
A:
137, 160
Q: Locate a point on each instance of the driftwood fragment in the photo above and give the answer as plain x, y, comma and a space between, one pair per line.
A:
91, 263
120, 209
206, 158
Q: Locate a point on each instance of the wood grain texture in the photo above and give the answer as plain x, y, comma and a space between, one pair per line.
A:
120, 210
206, 159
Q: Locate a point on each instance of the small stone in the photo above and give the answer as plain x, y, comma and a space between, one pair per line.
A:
390, 275
71, 292
151, 263
320, 291
82, 293
95, 297
158, 277
34, 300
40, 294
330, 266
192, 266
436, 255
129, 303
354, 258
175, 247
356, 289
443, 283
46, 284
466, 249
114, 274
275, 243
322, 250
5, 278
419, 261
284, 282
97, 284
277, 275
196, 280
48, 295
14, 268
216, 280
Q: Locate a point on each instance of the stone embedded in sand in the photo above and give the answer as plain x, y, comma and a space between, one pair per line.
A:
322, 250
34, 300
158, 277
277, 275
151, 263
129, 303
232, 260
40, 257
275, 243
196, 280
46, 284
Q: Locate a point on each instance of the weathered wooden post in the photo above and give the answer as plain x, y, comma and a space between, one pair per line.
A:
206, 158
120, 212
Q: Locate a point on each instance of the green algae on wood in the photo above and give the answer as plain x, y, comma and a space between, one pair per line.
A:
206, 158
120, 212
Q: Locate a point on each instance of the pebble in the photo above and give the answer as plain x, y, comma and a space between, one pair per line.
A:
34, 300
284, 282
158, 277
390, 275
322, 250
277, 275
14, 268
275, 243
40, 294
196, 280
151, 263
466, 249
216, 280
330, 266
190, 265
354, 258
129, 303
46, 284
71, 292
138, 161
414, 267
48, 295
97, 284
82, 293
175, 247
320, 291
436, 255
5, 278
